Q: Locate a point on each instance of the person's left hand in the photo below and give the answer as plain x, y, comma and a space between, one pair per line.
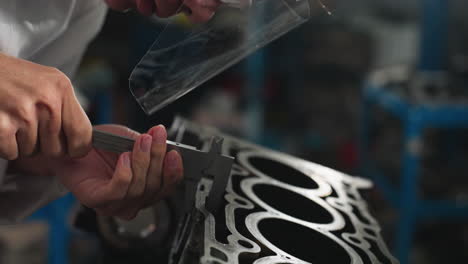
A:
197, 10
113, 184
121, 186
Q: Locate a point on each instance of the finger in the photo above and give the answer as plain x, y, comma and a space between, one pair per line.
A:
201, 10
8, 144
141, 156
158, 152
116, 191
51, 138
26, 136
27, 140
145, 7
76, 126
167, 8
173, 173
200, 15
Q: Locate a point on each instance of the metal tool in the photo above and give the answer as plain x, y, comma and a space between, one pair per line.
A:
197, 164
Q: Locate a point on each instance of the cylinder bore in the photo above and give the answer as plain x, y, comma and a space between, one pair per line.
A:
293, 204
283, 172
302, 242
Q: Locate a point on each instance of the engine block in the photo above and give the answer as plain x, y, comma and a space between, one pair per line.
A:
277, 209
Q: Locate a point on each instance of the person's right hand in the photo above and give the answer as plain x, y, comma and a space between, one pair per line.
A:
39, 112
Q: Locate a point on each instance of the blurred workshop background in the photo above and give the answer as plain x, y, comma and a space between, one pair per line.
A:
377, 89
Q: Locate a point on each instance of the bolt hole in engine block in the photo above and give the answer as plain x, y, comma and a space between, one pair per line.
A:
293, 204
216, 253
245, 244
241, 202
283, 173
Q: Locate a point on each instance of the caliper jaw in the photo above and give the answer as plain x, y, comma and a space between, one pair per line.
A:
212, 165
197, 165
219, 171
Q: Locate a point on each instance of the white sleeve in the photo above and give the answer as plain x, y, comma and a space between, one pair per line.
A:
66, 50
21, 195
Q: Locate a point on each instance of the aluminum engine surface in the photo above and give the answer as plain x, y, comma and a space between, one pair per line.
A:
281, 209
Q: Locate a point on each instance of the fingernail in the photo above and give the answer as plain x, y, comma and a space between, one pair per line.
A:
126, 160
173, 160
145, 144
160, 135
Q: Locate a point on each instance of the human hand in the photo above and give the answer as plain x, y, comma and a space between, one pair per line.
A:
39, 112
198, 10
121, 185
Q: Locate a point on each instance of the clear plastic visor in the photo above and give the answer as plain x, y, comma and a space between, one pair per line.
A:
184, 57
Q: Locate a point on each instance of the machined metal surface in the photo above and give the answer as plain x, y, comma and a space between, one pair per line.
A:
277, 209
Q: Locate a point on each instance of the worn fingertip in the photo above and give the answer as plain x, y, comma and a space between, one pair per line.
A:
159, 134
155, 129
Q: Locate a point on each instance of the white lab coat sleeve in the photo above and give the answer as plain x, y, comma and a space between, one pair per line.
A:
66, 51
22, 194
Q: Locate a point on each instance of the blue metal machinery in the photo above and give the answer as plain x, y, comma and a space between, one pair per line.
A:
416, 117
56, 215
434, 37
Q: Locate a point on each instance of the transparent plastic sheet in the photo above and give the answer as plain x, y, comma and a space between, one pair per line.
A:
182, 59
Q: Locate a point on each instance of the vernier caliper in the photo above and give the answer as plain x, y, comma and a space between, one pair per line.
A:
197, 164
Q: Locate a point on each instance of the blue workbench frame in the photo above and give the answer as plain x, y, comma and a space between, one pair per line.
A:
415, 118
